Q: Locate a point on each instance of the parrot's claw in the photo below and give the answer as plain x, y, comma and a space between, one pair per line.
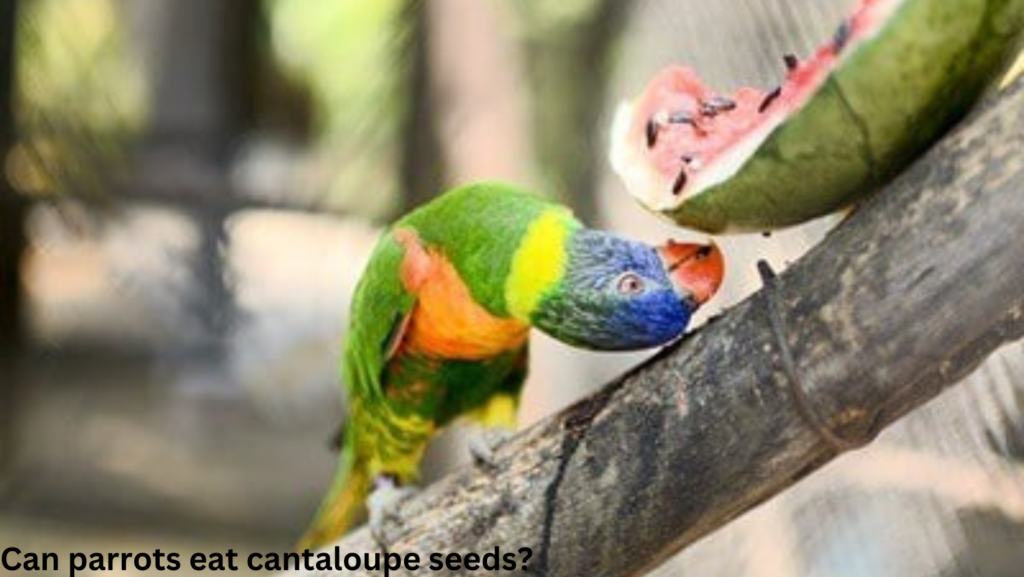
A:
482, 447
382, 502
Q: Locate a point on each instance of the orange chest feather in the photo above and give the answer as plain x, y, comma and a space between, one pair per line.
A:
446, 322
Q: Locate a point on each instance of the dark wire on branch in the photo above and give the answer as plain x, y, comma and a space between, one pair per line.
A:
794, 382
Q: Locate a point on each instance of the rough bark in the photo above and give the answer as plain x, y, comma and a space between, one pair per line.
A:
902, 300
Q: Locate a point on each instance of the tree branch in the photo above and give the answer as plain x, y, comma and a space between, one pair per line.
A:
902, 300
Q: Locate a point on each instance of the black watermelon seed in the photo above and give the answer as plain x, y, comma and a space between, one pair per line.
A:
769, 98
842, 35
680, 181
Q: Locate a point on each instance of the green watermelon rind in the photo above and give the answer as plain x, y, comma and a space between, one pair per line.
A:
886, 102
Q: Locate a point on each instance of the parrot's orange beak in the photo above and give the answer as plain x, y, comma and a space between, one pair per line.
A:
696, 270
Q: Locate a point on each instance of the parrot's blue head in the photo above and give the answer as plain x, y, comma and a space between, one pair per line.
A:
618, 294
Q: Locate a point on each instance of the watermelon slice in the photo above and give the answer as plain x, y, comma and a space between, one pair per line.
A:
894, 77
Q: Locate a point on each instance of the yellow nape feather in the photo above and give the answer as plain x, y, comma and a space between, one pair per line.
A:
539, 262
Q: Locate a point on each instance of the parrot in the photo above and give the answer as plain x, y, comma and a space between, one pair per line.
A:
440, 321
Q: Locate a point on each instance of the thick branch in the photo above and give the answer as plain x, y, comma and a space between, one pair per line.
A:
904, 299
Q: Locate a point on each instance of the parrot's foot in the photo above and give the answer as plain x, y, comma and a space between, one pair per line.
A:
482, 447
382, 502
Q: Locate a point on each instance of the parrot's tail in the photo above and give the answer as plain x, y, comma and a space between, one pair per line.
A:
343, 505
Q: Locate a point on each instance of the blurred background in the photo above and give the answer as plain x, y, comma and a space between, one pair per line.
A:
190, 189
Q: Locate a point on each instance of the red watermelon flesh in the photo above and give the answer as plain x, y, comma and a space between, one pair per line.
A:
680, 137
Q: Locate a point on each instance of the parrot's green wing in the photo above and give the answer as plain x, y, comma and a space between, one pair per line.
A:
381, 309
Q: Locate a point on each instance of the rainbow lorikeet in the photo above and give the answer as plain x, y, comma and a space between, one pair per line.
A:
440, 322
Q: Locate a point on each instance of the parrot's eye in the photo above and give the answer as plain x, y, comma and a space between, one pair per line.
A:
630, 283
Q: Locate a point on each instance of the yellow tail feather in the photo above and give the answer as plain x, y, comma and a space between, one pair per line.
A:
343, 506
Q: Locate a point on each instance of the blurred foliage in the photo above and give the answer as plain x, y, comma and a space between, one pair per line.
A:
80, 97
350, 55
83, 96
357, 57
342, 49
539, 20
569, 52
75, 62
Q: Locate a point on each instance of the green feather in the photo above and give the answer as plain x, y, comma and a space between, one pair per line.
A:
465, 222
391, 417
